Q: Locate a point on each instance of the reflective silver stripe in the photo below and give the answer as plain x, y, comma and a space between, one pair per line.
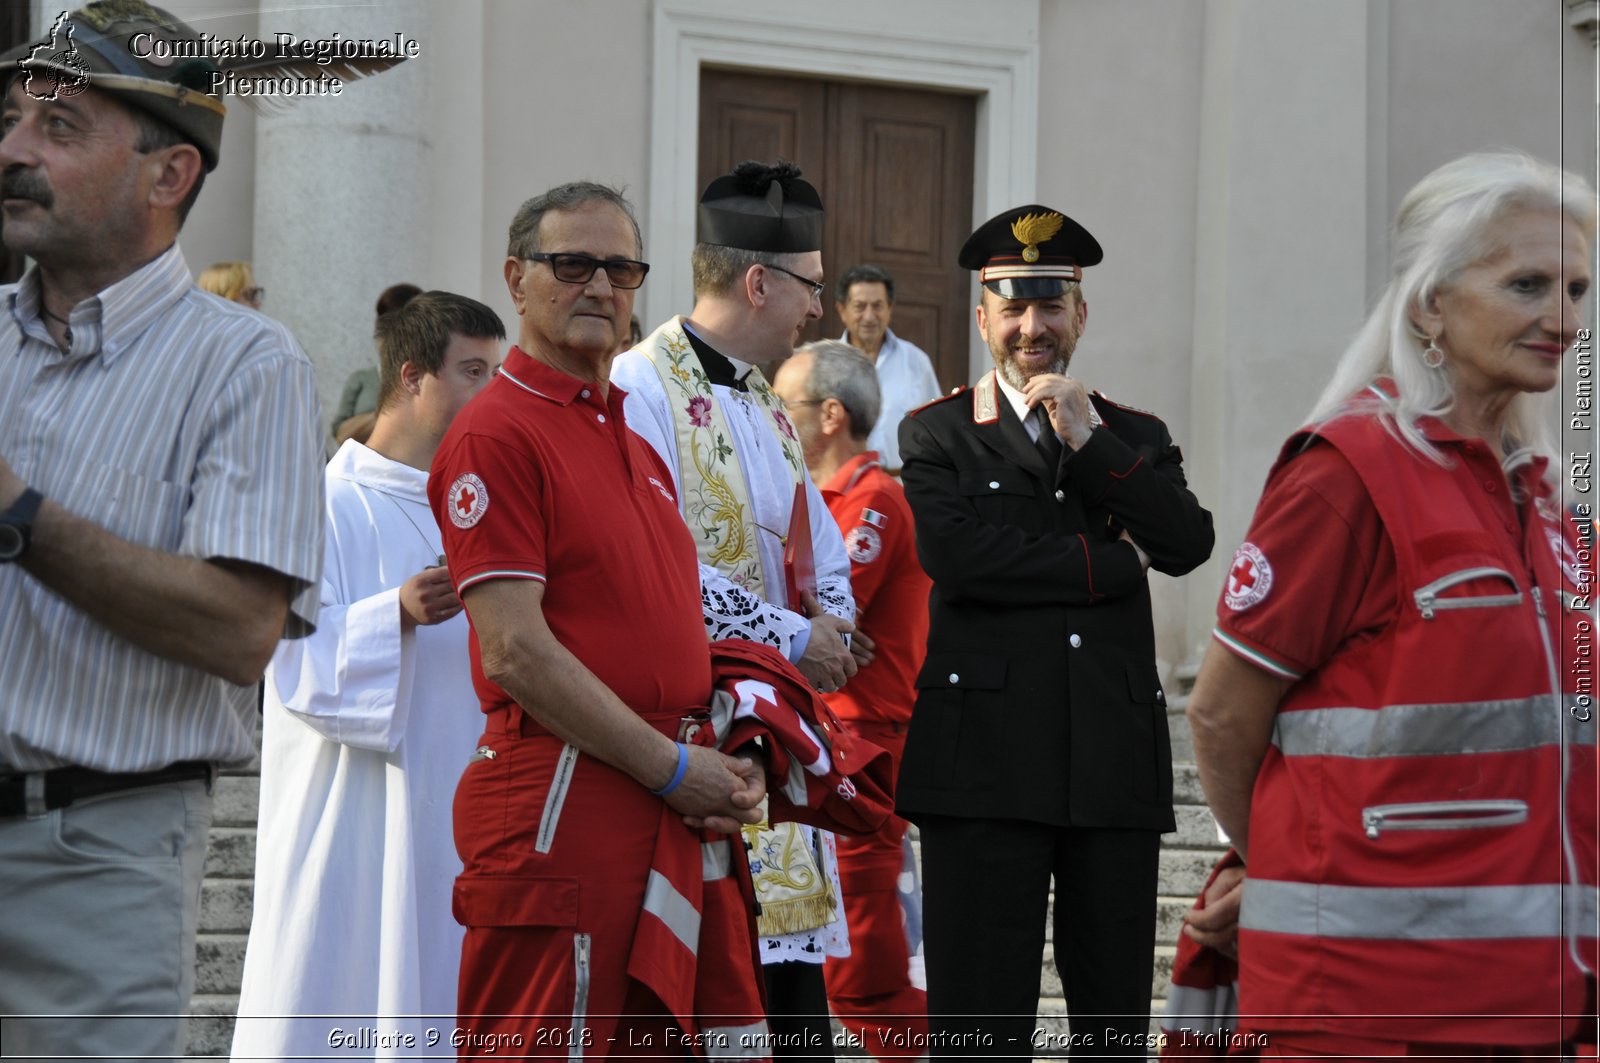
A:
716, 860
737, 1042
1201, 1010
662, 900
1433, 913
580, 997
1429, 730
556, 798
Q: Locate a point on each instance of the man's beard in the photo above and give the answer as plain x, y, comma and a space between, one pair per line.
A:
1013, 374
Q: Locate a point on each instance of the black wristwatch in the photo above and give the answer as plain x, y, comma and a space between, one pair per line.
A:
16, 526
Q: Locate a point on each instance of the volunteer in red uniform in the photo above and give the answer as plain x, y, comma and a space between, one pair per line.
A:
831, 392
1389, 723
586, 893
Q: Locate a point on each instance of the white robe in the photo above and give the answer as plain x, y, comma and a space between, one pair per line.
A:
366, 731
733, 612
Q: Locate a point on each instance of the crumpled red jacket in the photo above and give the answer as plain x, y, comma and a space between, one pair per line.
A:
1203, 999
818, 773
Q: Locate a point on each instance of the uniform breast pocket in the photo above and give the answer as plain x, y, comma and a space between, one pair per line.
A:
1001, 495
956, 739
137, 508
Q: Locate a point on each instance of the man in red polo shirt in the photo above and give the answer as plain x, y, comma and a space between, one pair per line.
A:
831, 392
587, 892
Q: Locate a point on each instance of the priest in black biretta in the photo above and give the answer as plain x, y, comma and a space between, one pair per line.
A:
761, 208
696, 393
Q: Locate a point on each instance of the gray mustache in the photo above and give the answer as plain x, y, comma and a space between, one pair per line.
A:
25, 184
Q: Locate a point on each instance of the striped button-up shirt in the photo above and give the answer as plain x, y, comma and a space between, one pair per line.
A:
177, 421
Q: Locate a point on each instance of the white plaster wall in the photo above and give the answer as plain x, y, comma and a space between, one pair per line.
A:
221, 227
1118, 151
566, 98
1475, 75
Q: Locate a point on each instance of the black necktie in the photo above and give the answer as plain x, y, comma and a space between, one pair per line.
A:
1049, 443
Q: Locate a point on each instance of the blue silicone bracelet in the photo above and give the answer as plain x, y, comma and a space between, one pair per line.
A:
677, 776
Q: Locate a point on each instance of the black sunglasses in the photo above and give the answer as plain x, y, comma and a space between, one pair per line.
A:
572, 268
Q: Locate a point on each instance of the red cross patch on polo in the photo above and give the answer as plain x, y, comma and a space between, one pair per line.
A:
863, 544
1249, 578
469, 500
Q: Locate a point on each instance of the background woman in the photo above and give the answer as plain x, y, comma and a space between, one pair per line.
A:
233, 281
1388, 722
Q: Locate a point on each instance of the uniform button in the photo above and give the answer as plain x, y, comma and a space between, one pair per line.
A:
600, 417
1061, 496
1074, 641
1490, 486
585, 393
1160, 696
994, 485
954, 678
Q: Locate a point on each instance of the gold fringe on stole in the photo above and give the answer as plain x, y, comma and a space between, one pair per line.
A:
795, 894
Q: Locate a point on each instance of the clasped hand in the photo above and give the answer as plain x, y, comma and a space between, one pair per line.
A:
1066, 400
719, 792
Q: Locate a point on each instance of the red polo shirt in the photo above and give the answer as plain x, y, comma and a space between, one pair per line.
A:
539, 477
891, 590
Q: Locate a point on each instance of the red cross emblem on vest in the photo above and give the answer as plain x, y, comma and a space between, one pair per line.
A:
1249, 578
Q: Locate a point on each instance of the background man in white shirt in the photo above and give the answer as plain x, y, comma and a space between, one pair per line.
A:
865, 302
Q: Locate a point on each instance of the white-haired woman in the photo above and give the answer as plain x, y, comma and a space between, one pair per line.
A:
1392, 722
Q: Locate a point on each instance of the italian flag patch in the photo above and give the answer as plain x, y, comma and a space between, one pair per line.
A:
874, 518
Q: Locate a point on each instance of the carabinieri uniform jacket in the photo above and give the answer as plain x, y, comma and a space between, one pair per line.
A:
1039, 699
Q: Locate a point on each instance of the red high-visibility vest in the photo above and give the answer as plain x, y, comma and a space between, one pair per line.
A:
1423, 828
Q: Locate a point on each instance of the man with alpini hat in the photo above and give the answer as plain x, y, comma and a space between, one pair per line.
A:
160, 516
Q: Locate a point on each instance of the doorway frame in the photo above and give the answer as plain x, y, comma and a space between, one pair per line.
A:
929, 44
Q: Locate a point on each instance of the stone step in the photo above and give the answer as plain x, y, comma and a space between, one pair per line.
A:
1169, 918
210, 1024
219, 963
1197, 829
225, 905
1186, 784
236, 799
232, 853
1184, 871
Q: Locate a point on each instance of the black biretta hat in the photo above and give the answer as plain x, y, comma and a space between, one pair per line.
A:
762, 208
1029, 252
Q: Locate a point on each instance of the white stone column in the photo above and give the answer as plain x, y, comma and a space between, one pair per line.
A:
343, 188
1288, 161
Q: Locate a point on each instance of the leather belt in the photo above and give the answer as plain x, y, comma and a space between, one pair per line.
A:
60, 787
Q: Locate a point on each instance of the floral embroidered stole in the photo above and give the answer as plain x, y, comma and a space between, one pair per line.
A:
795, 894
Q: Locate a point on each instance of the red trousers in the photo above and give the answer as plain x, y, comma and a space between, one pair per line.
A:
553, 935
870, 990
